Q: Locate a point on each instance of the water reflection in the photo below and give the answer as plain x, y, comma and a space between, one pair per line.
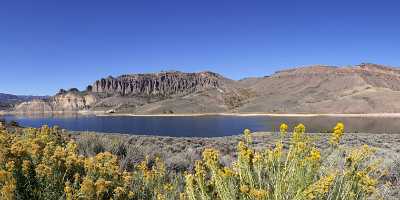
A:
44, 115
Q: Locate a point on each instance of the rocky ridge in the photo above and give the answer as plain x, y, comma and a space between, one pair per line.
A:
157, 84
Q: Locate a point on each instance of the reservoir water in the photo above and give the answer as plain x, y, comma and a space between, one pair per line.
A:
204, 126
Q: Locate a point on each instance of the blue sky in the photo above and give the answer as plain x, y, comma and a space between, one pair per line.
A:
48, 45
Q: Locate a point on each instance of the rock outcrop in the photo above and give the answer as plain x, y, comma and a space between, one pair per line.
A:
73, 101
8, 101
34, 106
65, 102
158, 84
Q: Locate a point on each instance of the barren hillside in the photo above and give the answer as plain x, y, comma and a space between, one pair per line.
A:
365, 88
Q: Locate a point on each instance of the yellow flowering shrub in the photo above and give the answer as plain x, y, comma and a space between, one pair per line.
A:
45, 164
295, 171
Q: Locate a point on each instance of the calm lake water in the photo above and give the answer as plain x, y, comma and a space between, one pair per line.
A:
205, 126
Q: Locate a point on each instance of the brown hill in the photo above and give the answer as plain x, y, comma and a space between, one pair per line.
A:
365, 88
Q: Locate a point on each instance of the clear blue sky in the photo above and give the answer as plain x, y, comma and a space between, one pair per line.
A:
47, 45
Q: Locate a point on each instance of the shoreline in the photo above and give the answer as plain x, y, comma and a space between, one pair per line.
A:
393, 115
104, 114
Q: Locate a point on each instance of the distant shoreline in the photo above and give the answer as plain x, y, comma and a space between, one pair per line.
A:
104, 114
395, 115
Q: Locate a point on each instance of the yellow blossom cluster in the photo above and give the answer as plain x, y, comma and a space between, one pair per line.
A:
283, 129
247, 135
320, 188
298, 133
337, 133
210, 156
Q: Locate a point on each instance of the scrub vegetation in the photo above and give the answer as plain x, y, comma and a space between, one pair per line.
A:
49, 163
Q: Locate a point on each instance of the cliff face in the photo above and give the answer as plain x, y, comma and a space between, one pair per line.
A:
67, 102
158, 84
8, 101
36, 106
72, 101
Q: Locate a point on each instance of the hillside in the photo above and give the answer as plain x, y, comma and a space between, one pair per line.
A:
364, 88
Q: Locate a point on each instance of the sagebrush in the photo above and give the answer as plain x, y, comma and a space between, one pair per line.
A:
44, 163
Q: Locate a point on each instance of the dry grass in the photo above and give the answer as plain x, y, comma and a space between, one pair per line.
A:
136, 147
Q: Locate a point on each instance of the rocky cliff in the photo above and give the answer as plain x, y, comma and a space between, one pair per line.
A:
35, 106
364, 88
66, 102
158, 84
8, 101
